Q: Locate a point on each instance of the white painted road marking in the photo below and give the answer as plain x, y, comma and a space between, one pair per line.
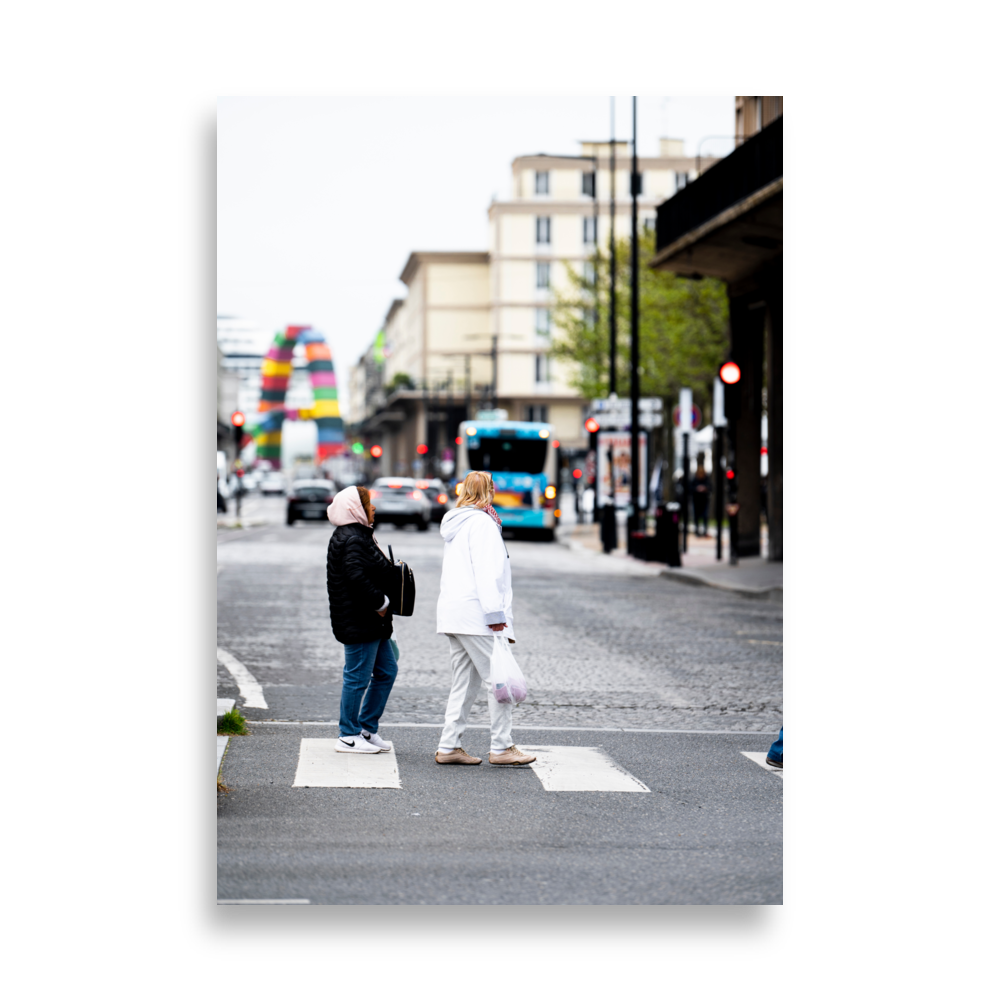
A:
321, 766
250, 691
581, 769
231, 902
761, 758
223, 705
220, 749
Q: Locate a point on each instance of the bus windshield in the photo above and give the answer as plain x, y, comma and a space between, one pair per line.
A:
507, 454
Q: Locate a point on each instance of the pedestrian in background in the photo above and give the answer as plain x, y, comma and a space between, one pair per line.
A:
359, 613
474, 605
701, 488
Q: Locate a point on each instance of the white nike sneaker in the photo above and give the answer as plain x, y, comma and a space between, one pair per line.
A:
376, 741
354, 744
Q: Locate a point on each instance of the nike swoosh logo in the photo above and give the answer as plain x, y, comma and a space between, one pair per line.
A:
350, 743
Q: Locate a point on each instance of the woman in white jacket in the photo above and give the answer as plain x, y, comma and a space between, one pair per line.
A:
475, 603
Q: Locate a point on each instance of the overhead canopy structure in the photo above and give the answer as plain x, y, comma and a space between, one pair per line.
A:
728, 224
276, 371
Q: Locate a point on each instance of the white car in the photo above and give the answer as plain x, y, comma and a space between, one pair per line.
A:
273, 484
398, 500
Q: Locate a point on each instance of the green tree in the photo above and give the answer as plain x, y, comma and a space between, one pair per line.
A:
399, 381
683, 328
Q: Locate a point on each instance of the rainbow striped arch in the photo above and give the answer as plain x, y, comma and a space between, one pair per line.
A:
272, 413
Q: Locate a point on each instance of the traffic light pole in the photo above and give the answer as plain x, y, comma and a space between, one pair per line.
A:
686, 480
719, 486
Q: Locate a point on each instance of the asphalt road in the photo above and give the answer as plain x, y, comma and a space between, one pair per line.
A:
606, 646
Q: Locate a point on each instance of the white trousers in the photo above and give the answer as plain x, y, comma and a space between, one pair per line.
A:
470, 667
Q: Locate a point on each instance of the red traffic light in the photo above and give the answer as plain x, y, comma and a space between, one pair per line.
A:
376, 451
238, 419
730, 373
422, 449
592, 425
577, 473
555, 444
730, 474
458, 440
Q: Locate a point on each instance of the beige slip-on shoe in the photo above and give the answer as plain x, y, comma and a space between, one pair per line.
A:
457, 756
511, 756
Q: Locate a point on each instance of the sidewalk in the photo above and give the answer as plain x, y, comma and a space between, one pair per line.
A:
753, 576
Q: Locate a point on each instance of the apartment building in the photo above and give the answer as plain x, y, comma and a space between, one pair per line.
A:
475, 329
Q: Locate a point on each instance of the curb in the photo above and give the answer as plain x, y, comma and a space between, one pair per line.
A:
686, 576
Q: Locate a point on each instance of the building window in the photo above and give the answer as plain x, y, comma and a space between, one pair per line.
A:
543, 229
681, 178
589, 274
543, 322
542, 273
590, 316
589, 229
536, 414
649, 225
542, 368
588, 184
541, 182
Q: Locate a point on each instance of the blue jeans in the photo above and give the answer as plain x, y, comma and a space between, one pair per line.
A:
371, 666
777, 746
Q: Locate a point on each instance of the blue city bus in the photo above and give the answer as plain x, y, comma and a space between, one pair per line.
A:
522, 462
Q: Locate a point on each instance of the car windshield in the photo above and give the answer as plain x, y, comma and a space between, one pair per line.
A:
394, 485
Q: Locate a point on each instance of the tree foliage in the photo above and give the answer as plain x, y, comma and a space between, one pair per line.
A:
683, 327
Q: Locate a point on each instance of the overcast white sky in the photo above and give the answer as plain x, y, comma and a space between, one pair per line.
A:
321, 200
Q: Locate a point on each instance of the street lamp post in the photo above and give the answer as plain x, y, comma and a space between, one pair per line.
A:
612, 305
633, 520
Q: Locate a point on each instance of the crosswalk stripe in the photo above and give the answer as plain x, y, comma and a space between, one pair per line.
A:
761, 758
231, 902
320, 766
220, 749
581, 769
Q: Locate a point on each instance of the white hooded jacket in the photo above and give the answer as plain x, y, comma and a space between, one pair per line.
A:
475, 575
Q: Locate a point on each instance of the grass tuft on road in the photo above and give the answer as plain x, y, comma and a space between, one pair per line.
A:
233, 724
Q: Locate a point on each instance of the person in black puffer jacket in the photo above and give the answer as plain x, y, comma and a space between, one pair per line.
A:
356, 571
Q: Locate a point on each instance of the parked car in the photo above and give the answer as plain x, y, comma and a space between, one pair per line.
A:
273, 484
437, 492
308, 500
398, 501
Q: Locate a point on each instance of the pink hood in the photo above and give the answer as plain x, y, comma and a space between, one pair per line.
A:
347, 508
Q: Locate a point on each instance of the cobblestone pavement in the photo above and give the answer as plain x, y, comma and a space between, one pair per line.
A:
602, 641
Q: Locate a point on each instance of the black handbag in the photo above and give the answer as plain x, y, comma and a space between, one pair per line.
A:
401, 590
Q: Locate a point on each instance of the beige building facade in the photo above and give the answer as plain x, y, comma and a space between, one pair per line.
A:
475, 329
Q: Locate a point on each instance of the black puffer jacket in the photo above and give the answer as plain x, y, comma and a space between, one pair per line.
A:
356, 572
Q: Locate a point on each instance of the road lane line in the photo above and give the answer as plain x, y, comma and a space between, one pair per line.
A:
250, 690
581, 769
223, 705
761, 758
220, 749
320, 766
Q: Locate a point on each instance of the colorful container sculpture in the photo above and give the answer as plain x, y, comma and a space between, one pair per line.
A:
272, 413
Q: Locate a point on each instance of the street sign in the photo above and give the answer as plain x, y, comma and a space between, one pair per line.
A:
614, 413
695, 416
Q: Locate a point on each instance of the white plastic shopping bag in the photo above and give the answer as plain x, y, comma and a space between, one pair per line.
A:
506, 680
